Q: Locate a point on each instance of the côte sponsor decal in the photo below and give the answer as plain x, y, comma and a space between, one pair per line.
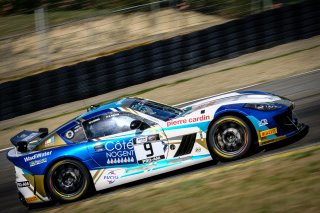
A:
37, 155
120, 160
268, 132
188, 120
23, 184
37, 162
120, 152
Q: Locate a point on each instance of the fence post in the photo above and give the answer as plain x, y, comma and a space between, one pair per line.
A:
41, 29
155, 7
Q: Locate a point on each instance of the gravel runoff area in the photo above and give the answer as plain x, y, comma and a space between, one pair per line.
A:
266, 65
286, 182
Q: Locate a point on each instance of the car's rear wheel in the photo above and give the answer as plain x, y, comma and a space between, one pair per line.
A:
229, 138
68, 180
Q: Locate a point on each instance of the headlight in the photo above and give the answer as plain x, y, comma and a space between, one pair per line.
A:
263, 106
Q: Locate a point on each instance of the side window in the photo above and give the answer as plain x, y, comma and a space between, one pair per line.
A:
108, 124
75, 134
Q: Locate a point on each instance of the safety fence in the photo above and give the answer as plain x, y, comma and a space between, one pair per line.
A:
61, 32
159, 59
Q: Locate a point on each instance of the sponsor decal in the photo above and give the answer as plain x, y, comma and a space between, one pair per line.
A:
141, 140
188, 120
198, 149
263, 122
145, 139
37, 155
94, 120
23, 184
31, 199
110, 115
268, 132
111, 177
153, 159
77, 128
120, 152
37, 162
49, 142
69, 134
204, 105
120, 160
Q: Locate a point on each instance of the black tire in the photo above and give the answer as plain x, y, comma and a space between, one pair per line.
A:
68, 180
229, 138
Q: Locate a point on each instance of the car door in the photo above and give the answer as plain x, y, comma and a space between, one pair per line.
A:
113, 143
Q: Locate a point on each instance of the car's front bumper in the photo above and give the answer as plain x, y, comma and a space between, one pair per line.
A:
286, 124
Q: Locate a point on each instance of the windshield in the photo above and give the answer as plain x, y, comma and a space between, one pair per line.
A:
157, 110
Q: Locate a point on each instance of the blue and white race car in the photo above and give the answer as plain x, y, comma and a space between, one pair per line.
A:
134, 138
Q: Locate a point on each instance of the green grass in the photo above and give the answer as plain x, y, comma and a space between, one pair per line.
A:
270, 184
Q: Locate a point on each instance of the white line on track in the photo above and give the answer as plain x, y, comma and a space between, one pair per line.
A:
1, 150
203, 98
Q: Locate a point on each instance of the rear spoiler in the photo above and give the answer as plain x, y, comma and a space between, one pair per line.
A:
25, 136
22, 139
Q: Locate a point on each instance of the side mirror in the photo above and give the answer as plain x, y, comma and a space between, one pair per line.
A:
44, 132
136, 124
22, 146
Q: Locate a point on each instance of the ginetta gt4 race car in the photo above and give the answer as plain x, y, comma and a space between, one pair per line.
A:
134, 138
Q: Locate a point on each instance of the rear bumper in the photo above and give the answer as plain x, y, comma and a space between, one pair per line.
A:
30, 187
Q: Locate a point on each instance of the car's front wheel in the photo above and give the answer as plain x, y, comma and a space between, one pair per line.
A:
68, 180
229, 138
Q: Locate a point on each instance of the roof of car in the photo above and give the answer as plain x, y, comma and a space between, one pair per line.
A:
101, 108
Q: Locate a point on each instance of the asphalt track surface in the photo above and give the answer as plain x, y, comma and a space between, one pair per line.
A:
304, 90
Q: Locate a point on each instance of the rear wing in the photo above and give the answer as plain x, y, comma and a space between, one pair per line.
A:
25, 136
22, 139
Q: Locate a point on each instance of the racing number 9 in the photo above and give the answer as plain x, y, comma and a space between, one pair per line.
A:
148, 147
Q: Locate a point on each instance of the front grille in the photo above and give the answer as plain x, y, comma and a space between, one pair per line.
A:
287, 121
186, 145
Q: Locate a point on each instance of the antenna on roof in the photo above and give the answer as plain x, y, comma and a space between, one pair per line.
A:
93, 107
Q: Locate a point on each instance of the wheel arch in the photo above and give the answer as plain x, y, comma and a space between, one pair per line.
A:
239, 114
52, 163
